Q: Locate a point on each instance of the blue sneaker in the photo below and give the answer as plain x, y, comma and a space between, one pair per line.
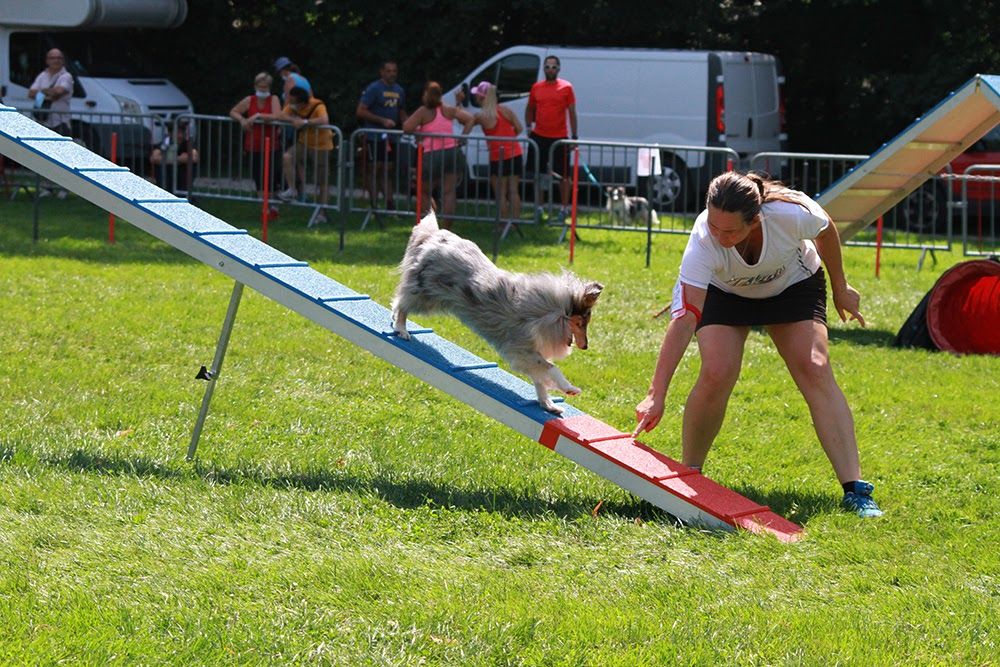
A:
860, 500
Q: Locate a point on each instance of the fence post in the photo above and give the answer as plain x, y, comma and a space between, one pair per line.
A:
878, 246
34, 209
572, 222
265, 209
114, 160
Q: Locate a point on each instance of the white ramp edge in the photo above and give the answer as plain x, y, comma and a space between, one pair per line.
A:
916, 154
614, 455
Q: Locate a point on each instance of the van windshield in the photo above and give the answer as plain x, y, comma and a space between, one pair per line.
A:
98, 54
513, 76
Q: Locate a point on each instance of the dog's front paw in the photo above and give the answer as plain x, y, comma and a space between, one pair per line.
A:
549, 406
402, 333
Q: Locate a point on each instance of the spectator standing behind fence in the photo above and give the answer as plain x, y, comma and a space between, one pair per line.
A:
291, 77
550, 102
252, 113
751, 261
444, 162
382, 107
310, 154
175, 148
506, 162
51, 92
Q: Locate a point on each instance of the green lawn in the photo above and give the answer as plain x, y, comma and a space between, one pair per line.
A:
343, 512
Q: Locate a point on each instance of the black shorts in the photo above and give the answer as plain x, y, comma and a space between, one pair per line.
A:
513, 166
801, 301
561, 164
444, 162
381, 147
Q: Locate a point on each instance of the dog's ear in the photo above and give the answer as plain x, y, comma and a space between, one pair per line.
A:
429, 220
591, 291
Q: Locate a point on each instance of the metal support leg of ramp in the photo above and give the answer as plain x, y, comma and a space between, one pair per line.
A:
213, 374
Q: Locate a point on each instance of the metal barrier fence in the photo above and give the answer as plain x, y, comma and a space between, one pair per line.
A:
655, 188
922, 221
131, 136
453, 171
625, 186
305, 165
671, 180
650, 188
981, 209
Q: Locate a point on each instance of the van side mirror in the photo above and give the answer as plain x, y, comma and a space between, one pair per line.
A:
465, 93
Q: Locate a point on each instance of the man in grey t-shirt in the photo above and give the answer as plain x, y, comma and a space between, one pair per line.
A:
52, 89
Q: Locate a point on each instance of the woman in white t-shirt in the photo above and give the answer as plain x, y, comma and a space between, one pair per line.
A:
754, 259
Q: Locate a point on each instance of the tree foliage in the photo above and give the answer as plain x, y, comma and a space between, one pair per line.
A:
858, 71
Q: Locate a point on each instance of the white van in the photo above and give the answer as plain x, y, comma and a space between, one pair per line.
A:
109, 83
669, 97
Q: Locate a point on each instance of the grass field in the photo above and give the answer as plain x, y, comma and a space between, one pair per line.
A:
342, 512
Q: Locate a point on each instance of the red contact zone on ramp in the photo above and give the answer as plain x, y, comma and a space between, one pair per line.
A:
635, 458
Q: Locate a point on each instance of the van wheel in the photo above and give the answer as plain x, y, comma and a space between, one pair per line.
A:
667, 187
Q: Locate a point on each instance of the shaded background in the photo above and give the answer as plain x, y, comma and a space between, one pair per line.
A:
858, 71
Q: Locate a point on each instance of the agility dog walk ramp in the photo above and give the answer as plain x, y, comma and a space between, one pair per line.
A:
480, 384
918, 153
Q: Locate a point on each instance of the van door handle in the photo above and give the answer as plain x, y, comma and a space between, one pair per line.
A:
90, 104
749, 127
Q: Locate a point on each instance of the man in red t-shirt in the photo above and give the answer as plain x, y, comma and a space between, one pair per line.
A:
549, 104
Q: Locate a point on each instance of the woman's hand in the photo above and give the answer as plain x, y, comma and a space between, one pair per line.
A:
848, 300
647, 414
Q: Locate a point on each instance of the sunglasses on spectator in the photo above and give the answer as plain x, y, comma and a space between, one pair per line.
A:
552, 67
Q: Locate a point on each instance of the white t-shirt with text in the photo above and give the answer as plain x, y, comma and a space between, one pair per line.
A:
788, 254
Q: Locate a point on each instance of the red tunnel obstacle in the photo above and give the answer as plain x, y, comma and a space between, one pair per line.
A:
963, 313
960, 314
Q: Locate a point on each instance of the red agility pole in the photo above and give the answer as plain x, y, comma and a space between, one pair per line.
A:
114, 160
878, 246
572, 220
265, 208
420, 180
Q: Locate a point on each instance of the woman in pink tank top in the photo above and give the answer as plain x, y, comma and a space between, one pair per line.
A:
506, 163
444, 163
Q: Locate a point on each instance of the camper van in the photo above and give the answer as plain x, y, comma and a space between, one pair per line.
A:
110, 86
667, 97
